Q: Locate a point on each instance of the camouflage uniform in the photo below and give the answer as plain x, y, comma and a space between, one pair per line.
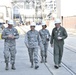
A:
32, 41
45, 36
9, 44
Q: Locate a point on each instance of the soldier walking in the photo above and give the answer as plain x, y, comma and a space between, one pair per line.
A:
9, 35
32, 41
58, 35
45, 36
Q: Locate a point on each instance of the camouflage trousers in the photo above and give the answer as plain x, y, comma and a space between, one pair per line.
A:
33, 55
44, 53
9, 52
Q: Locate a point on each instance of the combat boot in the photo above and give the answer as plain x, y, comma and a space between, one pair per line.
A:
6, 68
36, 66
56, 66
32, 65
45, 59
59, 65
13, 67
42, 60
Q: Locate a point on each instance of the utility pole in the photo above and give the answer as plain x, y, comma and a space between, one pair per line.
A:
58, 8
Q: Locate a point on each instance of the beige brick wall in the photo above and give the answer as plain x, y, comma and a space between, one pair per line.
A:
69, 22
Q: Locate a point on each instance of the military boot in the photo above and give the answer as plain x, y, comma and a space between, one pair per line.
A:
56, 66
59, 65
45, 59
31, 64
13, 67
6, 68
36, 66
42, 60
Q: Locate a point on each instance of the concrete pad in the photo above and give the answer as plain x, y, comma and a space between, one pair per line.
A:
22, 62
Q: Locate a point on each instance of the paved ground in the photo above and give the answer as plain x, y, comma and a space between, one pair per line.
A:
23, 64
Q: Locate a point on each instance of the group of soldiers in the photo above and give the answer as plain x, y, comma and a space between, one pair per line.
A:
34, 39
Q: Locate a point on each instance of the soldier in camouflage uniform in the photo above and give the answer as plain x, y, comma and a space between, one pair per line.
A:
58, 36
10, 34
45, 36
32, 41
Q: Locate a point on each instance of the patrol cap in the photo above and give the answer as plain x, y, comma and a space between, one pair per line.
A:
57, 21
33, 24
10, 22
